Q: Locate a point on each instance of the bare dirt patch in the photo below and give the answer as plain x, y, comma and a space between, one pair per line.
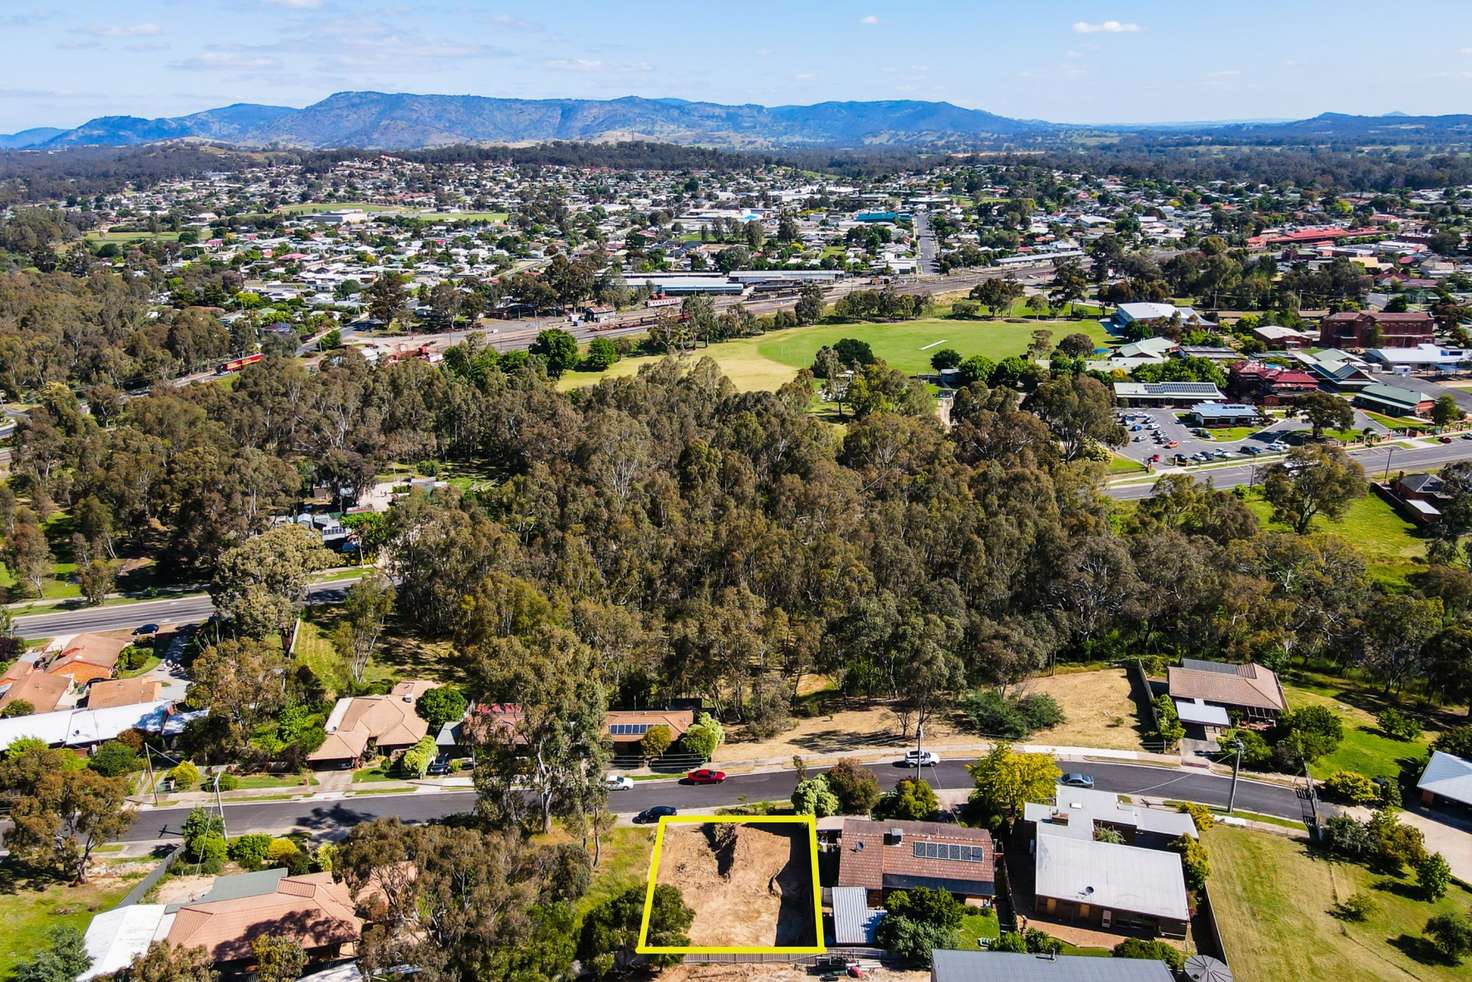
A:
1097, 708
694, 972
750, 884
182, 889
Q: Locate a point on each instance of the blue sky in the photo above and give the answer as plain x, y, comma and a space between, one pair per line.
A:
1119, 61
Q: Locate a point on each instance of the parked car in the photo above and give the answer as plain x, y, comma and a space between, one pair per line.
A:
651, 815
440, 765
145, 630
921, 758
1467, 436
618, 782
705, 776
1172, 444
1075, 780
1444, 439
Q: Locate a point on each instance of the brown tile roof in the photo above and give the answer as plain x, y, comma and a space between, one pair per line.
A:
506, 715
390, 720
1243, 685
44, 692
88, 657
312, 909
122, 692
872, 859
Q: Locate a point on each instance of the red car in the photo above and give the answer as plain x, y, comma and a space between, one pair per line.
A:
706, 776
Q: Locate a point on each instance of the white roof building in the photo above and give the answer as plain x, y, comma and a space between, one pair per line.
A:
116, 937
1076, 810
1108, 876
1447, 777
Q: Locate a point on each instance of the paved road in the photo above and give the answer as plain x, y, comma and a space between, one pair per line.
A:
1377, 461
327, 816
925, 243
191, 609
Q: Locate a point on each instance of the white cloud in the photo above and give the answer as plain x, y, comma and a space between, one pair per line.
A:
869, 20
1464, 51
804, 76
1224, 73
123, 30
574, 64
226, 61
1105, 27
296, 4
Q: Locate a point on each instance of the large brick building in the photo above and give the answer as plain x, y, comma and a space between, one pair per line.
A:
1376, 329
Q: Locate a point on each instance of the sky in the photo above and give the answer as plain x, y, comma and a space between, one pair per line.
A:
1115, 61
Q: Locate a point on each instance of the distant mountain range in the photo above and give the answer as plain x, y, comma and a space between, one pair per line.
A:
398, 121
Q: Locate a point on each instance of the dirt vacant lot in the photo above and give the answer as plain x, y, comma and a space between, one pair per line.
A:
750, 884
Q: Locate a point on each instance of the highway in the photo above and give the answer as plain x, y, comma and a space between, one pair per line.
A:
325, 816
1377, 461
191, 609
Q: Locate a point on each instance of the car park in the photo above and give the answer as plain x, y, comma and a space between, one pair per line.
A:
651, 815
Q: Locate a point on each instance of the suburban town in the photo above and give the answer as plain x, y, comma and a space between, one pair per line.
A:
501, 538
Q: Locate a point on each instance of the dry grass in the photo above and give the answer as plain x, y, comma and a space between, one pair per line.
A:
1096, 706
749, 884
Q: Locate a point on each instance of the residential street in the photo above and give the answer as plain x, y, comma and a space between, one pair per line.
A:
325, 816
191, 609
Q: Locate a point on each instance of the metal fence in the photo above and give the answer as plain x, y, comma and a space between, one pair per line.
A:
141, 888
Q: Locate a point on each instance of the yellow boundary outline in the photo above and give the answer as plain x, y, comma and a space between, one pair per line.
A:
644, 948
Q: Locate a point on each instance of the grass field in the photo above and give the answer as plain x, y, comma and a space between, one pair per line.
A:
494, 217
121, 237
976, 925
308, 207
768, 361
1364, 748
1273, 900
30, 911
1369, 523
1123, 465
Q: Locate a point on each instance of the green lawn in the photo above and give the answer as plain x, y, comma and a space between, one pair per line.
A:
1396, 422
1273, 900
250, 782
493, 217
149, 664
311, 207
122, 237
1369, 523
1364, 748
978, 924
768, 361
1124, 465
30, 911
623, 864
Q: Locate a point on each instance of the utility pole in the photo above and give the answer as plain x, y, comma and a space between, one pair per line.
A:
1389, 452
224, 832
1236, 766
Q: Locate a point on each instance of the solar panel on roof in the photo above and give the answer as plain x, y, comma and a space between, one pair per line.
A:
945, 850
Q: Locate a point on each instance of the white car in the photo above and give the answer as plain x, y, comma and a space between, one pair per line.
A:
922, 758
618, 782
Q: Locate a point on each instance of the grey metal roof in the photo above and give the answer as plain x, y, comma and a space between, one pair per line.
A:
235, 886
1000, 966
1110, 876
853, 919
1447, 776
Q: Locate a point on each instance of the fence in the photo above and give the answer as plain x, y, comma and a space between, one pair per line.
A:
140, 890
1140, 682
1208, 936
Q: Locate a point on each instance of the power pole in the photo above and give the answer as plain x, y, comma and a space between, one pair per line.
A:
1236, 766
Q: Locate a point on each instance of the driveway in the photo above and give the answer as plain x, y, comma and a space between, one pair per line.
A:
1453, 841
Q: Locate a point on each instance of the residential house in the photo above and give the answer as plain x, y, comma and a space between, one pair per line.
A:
625, 728
1392, 400
1006, 966
123, 692
1114, 887
1419, 497
24, 681
899, 855
1079, 811
312, 910
388, 723
1250, 689
88, 658
85, 728
1376, 329
1446, 782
